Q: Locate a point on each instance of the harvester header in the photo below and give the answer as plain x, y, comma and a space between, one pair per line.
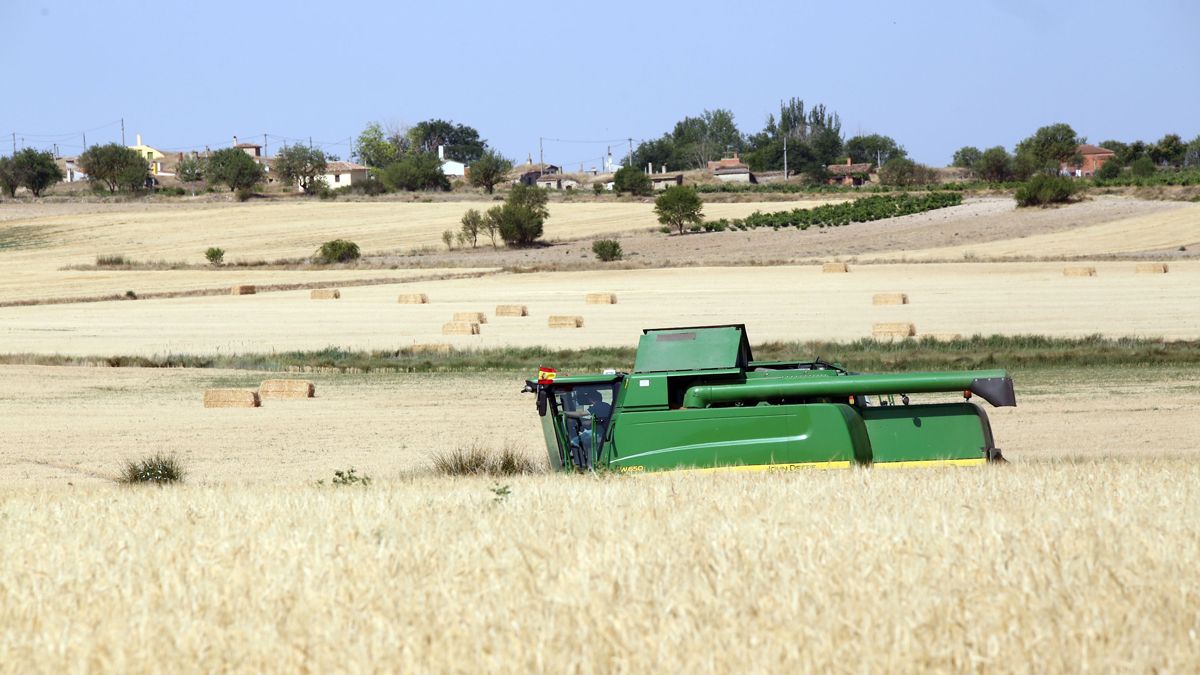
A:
697, 399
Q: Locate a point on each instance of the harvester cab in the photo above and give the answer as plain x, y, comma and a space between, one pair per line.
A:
697, 399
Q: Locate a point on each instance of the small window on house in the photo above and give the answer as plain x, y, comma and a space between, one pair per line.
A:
337, 177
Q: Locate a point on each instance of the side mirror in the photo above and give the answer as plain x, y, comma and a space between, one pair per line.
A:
542, 395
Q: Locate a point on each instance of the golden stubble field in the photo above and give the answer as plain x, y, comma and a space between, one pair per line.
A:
776, 303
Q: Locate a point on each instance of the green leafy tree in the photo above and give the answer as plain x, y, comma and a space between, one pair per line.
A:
902, 171
1142, 167
116, 166
234, 169
995, 165
36, 170
1049, 147
472, 226
679, 206
874, 148
632, 180
337, 251
461, 142
415, 172
967, 157
215, 255
489, 169
8, 177
1044, 190
373, 148
189, 170
303, 166
1169, 151
607, 250
519, 221
1109, 170
1191, 156
1120, 151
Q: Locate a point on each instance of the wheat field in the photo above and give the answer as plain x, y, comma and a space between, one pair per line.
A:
1025, 568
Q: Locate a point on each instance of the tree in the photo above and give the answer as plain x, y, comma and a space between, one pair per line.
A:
303, 166
189, 170
903, 171
36, 170
1169, 151
461, 142
8, 177
1142, 167
519, 221
233, 168
1049, 147
1109, 170
374, 149
1120, 151
1191, 156
967, 157
875, 149
415, 172
116, 166
472, 226
994, 165
679, 206
631, 180
489, 169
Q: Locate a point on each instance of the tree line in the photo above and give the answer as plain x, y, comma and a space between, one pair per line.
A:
406, 158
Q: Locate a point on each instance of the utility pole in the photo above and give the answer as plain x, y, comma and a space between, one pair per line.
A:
630, 151
782, 119
84, 140
264, 145
310, 142
122, 131
14, 144
541, 156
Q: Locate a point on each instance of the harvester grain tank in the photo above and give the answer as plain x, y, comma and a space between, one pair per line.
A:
697, 399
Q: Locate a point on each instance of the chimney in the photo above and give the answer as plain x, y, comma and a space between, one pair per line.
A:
650, 167
848, 160
235, 140
442, 153
139, 139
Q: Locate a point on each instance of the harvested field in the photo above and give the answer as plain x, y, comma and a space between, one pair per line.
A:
777, 303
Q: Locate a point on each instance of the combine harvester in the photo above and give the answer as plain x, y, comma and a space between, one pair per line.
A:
697, 399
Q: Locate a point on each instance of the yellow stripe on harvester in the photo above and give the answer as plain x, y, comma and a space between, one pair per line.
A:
810, 466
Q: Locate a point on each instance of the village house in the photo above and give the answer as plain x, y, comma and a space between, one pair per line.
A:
341, 174
252, 149
662, 181
557, 181
72, 172
452, 168
731, 170
530, 172
848, 174
1092, 158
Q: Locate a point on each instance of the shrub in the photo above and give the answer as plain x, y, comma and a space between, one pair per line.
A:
448, 239
214, 255
350, 477
112, 260
472, 226
631, 180
902, 171
157, 468
1142, 167
598, 188
474, 460
519, 221
244, 194
607, 250
1042, 190
1109, 170
337, 251
420, 171
130, 295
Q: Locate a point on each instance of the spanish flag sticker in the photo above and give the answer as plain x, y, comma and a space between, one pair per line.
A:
546, 375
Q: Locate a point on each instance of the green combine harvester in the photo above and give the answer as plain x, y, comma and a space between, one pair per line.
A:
698, 400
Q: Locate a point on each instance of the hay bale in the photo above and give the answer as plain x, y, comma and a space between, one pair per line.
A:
470, 317
231, 398
325, 294
460, 328
835, 267
558, 321
1079, 271
890, 299
286, 389
512, 310
242, 289
413, 299
430, 349
601, 298
893, 330
1151, 268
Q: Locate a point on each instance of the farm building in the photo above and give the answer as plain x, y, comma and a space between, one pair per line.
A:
557, 181
731, 170
848, 174
340, 174
252, 149
451, 167
72, 172
662, 181
1092, 158
530, 172
148, 153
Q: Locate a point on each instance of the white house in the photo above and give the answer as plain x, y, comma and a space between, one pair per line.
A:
71, 170
341, 174
451, 167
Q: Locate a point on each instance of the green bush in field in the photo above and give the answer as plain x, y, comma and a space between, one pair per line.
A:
1043, 190
158, 468
1109, 170
607, 250
337, 251
1142, 167
875, 207
215, 255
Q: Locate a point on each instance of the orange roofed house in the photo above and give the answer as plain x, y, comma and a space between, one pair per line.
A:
848, 174
1093, 157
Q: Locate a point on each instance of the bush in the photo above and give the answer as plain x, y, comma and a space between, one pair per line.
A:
607, 250
866, 209
415, 172
158, 468
1142, 167
476, 461
1109, 170
598, 188
902, 171
1042, 190
112, 260
244, 194
337, 251
214, 255
631, 180
519, 221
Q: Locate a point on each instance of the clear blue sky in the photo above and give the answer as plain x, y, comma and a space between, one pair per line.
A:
933, 75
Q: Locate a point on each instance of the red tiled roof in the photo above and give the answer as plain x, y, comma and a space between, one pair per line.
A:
342, 167
848, 169
1088, 149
